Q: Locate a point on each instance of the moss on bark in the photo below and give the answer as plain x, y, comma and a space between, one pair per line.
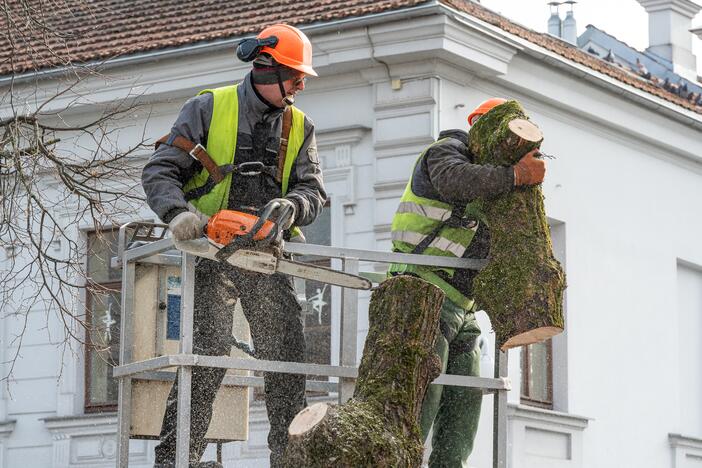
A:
378, 427
522, 286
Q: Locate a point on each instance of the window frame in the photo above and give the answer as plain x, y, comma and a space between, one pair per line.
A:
91, 288
524, 396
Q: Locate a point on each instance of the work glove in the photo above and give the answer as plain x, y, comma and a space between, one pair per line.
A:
284, 205
186, 226
529, 170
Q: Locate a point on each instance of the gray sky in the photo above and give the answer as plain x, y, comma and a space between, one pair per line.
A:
624, 19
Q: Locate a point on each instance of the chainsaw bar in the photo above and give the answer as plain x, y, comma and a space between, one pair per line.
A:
267, 263
322, 274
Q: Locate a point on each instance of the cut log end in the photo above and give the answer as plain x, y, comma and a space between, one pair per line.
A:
526, 130
307, 419
535, 335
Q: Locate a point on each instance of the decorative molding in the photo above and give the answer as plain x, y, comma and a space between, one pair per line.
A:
387, 98
686, 450
91, 440
88, 424
532, 413
687, 8
330, 137
389, 189
414, 142
336, 146
539, 436
6, 428
343, 155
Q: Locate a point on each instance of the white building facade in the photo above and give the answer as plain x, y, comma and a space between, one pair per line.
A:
623, 384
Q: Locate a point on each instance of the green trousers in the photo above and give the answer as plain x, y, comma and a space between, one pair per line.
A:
454, 411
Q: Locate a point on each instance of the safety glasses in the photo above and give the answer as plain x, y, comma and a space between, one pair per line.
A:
299, 81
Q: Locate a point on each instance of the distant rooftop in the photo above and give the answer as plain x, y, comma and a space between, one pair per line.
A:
645, 65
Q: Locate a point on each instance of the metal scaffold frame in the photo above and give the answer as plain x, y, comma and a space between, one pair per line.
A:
155, 249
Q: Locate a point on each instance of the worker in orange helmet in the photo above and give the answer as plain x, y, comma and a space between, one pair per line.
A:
439, 215
484, 107
266, 152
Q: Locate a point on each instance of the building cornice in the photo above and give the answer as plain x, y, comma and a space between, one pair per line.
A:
87, 424
686, 8
6, 428
532, 413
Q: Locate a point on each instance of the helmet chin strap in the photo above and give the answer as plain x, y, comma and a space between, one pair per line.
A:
288, 99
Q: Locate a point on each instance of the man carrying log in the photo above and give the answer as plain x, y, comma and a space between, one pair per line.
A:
439, 214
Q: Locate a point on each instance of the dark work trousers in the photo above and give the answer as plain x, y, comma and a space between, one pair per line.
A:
275, 319
454, 411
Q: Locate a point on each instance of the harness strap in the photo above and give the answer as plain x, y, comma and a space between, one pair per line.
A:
284, 136
216, 174
195, 150
455, 220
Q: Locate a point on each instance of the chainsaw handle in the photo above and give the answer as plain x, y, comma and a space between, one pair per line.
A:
281, 219
263, 217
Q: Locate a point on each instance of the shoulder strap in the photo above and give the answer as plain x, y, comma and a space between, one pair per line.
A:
197, 151
284, 136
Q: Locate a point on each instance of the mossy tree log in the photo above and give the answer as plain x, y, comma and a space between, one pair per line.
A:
378, 427
521, 288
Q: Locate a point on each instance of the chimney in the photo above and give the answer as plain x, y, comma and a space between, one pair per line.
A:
669, 37
569, 31
566, 29
554, 22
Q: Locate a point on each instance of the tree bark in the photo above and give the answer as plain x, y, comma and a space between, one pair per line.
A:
378, 427
522, 286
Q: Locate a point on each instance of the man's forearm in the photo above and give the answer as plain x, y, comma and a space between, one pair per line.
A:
457, 180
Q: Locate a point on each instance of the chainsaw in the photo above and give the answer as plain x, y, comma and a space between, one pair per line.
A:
255, 243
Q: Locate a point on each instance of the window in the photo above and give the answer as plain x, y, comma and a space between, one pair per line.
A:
544, 365
103, 321
689, 361
317, 311
537, 375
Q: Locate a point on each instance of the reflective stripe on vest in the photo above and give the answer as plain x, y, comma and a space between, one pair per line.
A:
432, 212
439, 243
221, 146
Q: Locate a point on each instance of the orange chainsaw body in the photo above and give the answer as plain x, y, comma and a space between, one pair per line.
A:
225, 225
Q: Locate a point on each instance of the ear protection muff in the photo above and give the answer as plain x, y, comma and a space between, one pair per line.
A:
248, 49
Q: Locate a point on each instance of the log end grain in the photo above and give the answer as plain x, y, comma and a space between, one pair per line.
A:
536, 335
307, 419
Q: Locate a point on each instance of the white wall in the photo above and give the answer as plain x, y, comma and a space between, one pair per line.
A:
625, 184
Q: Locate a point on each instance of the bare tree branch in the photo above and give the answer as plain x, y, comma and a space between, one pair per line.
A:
60, 173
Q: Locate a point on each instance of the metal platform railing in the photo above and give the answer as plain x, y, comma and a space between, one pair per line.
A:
148, 245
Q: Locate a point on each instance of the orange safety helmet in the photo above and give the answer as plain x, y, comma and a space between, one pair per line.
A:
484, 107
293, 49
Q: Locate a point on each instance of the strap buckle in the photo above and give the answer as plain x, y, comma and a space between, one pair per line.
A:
252, 168
195, 150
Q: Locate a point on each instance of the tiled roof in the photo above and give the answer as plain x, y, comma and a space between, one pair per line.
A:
93, 30
90, 30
